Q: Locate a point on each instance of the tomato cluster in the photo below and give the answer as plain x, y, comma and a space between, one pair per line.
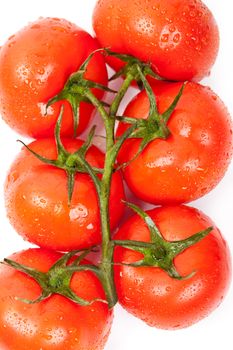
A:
169, 266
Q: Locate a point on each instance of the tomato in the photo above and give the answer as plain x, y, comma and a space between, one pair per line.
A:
180, 37
55, 323
36, 198
35, 63
150, 294
193, 159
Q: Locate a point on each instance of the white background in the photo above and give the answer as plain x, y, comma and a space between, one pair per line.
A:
129, 333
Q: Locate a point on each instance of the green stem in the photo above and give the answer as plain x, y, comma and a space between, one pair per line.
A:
106, 266
120, 95
109, 126
107, 252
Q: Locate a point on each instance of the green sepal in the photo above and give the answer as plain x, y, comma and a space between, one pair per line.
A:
130, 62
118, 74
154, 231
57, 134
155, 126
73, 163
42, 159
148, 71
42, 297
167, 114
160, 252
73, 91
123, 57
84, 65
57, 280
178, 247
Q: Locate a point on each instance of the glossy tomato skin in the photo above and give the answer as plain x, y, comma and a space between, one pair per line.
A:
36, 198
180, 37
150, 294
34, 66
56, 323
193, 159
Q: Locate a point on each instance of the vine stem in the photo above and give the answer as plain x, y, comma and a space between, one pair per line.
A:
106, 266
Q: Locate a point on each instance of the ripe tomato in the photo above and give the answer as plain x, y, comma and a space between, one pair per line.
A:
34, 66
150, 294
193, 159
180, 37
36, 198
55, 323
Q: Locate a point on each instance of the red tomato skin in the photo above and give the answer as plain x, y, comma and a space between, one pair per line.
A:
180, 37
190, 162
150, 294
56, 323
35, 64
36, 199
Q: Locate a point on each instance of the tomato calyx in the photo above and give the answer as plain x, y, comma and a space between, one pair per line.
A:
75, 88
159, 252
155, 126
131, 67
57, 280
71, 163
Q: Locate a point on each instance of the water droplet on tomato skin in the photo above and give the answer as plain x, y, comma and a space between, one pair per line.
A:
41, 71
40, 202
163, 12
198, 48
35, 26
12, 43
192, 14
176, 38
155, 8
12, 177
47, 337
172, 28
78, 213
56, 19
164, 38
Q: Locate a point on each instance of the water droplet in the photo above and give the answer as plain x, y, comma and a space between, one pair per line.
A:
192, 14
78, 213
35, 26
164, 38
172, 28
176, 38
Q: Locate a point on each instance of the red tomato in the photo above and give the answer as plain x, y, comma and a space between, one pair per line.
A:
150, 294
56, 323
34, 66
180, 37
36, 198
193, 159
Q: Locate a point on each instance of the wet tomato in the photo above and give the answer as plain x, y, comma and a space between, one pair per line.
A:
36, 198
55, 323
35, 63
161, 301
180, 37
193, 159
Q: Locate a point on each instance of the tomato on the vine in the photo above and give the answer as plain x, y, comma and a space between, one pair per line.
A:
36, 198
169, 266
180, 37
55, 323
150, 294
193, 159
35, 63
